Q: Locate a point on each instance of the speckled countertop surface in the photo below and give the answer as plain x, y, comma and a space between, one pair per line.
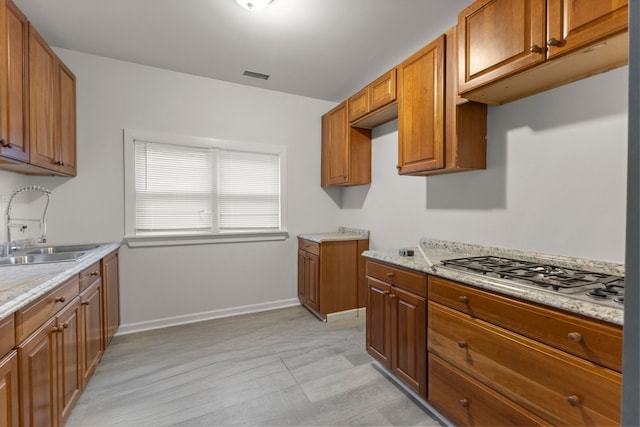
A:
438, 250
22, 284
343, 233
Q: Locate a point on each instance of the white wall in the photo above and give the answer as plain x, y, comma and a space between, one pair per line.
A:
160, 283
555, 180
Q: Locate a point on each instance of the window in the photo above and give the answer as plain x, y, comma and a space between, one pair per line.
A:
185, 190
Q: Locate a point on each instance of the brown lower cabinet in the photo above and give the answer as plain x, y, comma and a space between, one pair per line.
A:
60, 340
331, 275
397, 322
495, 360
9, 415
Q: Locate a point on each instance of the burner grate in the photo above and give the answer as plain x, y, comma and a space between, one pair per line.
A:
560, 279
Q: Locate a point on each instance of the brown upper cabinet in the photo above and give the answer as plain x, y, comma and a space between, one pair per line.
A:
38, 92
375, 104
346, 150
509, 49
14, 84
437, 132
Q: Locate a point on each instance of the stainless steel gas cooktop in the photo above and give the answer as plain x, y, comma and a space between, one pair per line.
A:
577, 283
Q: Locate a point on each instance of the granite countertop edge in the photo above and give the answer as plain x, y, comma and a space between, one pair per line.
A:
343, 233
438, 250
27, 283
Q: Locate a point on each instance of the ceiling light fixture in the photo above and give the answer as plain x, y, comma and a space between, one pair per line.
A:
254, 5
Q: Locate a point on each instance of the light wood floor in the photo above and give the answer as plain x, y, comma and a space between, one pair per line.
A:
280, 367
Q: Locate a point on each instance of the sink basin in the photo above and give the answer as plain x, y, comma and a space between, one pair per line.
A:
40, 258
61, 249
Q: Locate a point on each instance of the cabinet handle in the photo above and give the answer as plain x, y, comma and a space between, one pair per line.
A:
4, 143
462, 344
60, 299
554, 42
389, 274
463, 402
386, 293
535, 49
84, 303
65, 325
392, 296
60, 163
574, 336
94, 273
55, 329
398, 167
573, 400
463, 299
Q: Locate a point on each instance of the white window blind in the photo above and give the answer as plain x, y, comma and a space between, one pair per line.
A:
173, 188
248, 190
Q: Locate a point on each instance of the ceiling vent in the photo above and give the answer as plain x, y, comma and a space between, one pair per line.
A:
256, 75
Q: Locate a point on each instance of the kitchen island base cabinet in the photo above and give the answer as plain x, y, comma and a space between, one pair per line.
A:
331, 276
396, 331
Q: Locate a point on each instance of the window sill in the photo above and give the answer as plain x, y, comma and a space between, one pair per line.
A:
205, 239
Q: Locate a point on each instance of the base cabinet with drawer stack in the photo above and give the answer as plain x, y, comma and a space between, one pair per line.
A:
397, 322
331, 275
498, 360
50, 348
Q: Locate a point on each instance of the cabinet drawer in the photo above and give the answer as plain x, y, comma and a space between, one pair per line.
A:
467, 402
409, 280
89, 275
31, 317
309, 246
558, 387
595, 341
7, 335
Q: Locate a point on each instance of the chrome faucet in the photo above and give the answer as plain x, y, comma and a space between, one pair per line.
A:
10, 246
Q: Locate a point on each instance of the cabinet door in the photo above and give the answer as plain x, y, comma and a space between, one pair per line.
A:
312, 271
9, 406
111, 299
38, 370
42, 69
359, 104
409, 339
382, 91
337, 145
573, 24
498, 38
302, 285
69, 358
421, 110
14, 86
379, 321
92, 329
66, 120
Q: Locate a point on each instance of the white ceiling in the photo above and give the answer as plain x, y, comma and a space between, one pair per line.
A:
325, 49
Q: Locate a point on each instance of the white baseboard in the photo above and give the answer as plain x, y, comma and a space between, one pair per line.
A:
166, 322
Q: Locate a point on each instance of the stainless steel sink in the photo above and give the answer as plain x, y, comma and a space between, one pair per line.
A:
61, 249
41, 258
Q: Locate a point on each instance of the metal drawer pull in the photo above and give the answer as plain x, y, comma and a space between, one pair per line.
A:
60, 299
574, 336
573, 400
389, 274
554, 42
463, 299
4, 143
535, 49
463, 402
462, 344
84, 303
94, 273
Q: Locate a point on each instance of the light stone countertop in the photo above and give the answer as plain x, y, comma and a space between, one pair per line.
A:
22, 284
438, 250
343, 233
